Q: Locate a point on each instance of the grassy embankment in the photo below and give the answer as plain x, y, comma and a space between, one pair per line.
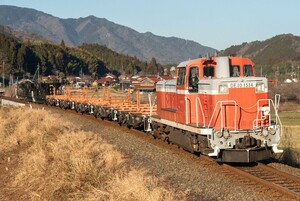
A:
289, 115
54, 160
290, 141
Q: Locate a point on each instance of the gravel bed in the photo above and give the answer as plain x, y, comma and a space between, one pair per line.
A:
286, 168
202, 182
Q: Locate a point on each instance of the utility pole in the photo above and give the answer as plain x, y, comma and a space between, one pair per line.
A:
276, 75
3, 80
260, 71
38, 78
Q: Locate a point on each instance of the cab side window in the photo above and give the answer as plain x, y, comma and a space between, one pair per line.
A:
208, 71
235, 71
248, 70
193, 79
181, 77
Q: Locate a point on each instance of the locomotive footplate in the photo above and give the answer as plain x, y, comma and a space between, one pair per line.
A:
245, 155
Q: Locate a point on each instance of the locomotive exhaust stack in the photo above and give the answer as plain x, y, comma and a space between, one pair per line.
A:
222, 67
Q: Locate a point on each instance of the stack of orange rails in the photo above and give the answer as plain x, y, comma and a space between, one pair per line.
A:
122, 104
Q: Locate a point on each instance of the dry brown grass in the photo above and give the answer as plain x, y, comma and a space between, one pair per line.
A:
290, 143
290, 137
136, 185
60, 162
20, 127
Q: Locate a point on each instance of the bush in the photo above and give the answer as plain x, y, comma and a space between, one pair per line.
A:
60, 162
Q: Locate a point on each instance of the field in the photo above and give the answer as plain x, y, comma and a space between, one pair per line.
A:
289, 114
290, 118
45, 159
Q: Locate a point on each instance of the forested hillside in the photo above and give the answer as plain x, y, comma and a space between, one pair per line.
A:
26, 57
278, 56
120, 62
92, 59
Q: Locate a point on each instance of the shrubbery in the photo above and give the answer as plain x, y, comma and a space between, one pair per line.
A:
290, 92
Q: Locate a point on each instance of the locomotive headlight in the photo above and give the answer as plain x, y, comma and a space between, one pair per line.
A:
260, 87
223, 88
272, 131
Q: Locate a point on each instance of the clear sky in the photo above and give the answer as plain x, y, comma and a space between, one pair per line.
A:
218, 23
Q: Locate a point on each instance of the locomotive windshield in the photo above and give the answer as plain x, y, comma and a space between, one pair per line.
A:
181, 76
193, 79
208, 71
248, 71
234, 71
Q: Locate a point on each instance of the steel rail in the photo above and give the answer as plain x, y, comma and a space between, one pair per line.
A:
279, 181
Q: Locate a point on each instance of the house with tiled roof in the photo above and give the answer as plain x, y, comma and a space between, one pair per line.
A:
124, 80
148, 83
166, 77
110, 75
105, 81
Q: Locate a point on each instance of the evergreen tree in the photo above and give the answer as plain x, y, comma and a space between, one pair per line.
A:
62, 43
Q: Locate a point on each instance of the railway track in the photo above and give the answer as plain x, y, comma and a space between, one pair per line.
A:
283, 185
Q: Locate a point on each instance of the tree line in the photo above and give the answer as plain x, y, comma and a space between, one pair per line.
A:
23, 57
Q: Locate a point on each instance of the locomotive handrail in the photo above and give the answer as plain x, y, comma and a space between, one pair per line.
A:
259, 111
248, 108
277, 101
186, 109
221, 108
197, 120
275, 106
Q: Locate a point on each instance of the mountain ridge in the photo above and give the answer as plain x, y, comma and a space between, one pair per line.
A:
271, 51
91, 29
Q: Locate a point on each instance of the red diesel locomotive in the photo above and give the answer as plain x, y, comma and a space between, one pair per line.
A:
217, 106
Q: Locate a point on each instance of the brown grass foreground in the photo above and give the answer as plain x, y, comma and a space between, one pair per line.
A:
57, 161
290, 143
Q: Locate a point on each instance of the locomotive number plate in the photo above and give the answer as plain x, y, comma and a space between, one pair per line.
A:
242, 85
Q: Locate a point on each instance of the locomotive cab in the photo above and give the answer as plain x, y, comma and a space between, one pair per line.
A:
222, 109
